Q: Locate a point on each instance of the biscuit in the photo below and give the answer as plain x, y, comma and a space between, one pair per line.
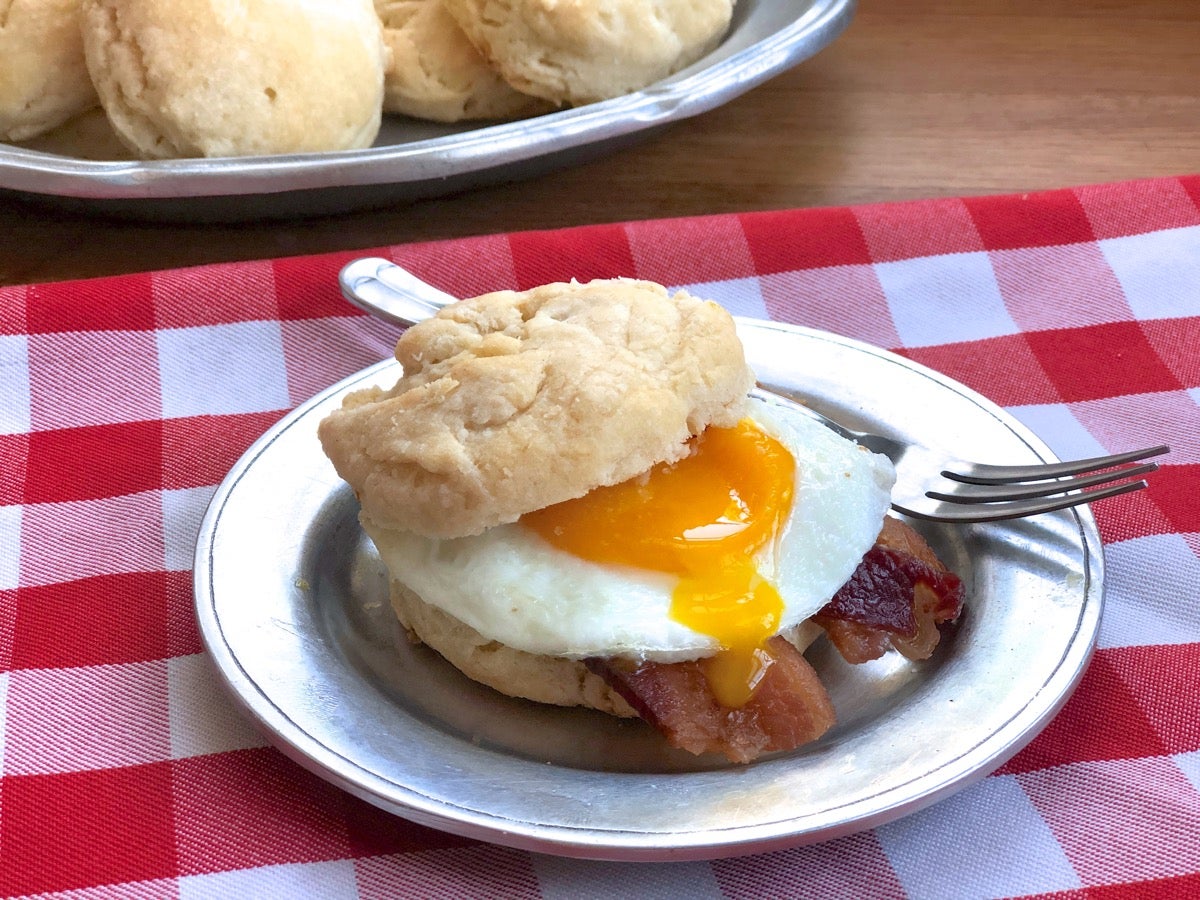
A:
187, 78
580, 51
43, 78
437, 74
547, 679
511, 401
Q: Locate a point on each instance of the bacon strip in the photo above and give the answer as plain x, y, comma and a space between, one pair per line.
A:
897, 597
789, 707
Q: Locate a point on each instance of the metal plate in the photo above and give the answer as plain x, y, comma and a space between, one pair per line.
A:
292, 604
413, 160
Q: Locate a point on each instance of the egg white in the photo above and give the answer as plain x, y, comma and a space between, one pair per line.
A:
513, 587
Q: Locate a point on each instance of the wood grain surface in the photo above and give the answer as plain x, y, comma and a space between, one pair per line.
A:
919, 98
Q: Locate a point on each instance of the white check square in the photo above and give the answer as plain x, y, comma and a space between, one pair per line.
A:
1055, 424
3, 715
14, 384
1150, 593
741, 296
222, 369
313, 881
202, 718
945, 299
989, 840
182, 511
1189, 764
566, 879
10, 547
1159, 271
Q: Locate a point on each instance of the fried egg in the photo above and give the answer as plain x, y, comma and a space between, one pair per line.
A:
747, 536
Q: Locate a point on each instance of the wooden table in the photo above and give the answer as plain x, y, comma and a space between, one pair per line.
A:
919, 98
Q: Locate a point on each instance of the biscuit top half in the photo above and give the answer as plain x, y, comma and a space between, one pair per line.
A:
510, 402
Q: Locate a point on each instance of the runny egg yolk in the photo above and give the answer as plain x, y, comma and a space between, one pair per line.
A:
702, 519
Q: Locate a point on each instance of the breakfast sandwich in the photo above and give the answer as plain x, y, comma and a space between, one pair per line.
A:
579, 503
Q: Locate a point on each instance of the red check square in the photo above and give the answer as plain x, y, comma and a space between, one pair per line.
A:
306, 287
920, 228
1004, 369
126, 619
1102, 720
1191, 186
12, 310
462, 268
829, 237
14, 461
206, 295
1175, 342
8, 613
1101, 361
690, 251
94, 461
1138, 207
118, 303
1130, 516
254, 808
1013, 221
374, 832
199, 451
183, 635
1175, 490
82, 829
1162, 679
593, 251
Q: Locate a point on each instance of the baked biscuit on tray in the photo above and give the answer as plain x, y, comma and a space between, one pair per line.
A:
580, 51
437, 74
43, 78
186, 78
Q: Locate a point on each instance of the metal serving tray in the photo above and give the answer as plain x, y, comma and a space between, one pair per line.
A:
413, 160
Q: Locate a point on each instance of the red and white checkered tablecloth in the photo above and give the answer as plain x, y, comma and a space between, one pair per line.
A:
126, 772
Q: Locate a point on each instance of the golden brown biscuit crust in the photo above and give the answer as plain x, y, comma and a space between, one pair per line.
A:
546, 679
437, 74
208, 78
514, 401
580, 51
43, 78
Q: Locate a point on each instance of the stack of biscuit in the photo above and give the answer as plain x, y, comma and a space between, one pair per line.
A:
210, 78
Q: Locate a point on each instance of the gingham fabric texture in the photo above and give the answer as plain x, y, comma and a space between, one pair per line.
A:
127, 772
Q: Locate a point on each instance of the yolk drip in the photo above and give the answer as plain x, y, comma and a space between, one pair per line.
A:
702, 518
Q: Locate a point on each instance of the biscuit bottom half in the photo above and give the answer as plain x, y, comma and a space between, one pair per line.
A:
545, 679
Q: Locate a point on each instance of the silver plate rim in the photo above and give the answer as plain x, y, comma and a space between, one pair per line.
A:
627, 844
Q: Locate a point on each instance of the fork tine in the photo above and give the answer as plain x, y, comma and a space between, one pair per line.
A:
1018, 509
991, 493
985, 474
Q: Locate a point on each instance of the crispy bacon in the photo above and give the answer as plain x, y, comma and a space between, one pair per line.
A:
897, 597
789, 707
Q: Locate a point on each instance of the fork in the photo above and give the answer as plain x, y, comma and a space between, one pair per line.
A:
971, 492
